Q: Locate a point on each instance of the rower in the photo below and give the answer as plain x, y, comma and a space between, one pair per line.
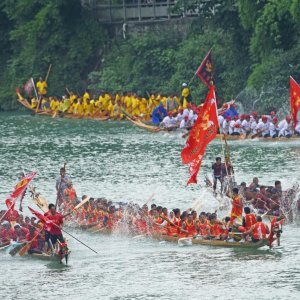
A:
185, 123
258, 231
190, 226
248, 220
263, 127
217, 173
70, 193
53, 231
168, 121
253, 187
273, 128
33, 237
225, 125
20, 233
285, 127
246, 125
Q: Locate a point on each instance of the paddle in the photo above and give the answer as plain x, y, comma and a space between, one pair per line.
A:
77, 206
16, 249
166, 219
150, 199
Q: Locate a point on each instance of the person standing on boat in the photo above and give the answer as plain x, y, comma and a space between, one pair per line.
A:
61, 185
217, 173
42, 87
186, 97
237, 207
52, 228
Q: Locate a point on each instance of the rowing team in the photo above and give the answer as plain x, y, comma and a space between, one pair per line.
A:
102, 215
43, 235
265, 126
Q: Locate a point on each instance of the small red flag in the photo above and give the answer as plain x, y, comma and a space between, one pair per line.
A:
204, 130
205, 70
18, 191
294, 100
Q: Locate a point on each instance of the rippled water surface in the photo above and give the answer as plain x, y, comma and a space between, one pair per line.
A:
121, 162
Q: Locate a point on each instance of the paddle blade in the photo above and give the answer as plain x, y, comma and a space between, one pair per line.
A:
25, 249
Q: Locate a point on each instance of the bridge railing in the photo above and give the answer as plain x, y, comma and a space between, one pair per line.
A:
133, 10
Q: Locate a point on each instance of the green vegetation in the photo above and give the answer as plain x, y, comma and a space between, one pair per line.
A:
255, 48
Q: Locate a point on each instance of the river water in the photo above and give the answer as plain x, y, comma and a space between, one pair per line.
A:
124, 163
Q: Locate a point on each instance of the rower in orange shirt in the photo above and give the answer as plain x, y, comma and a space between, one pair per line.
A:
70, 193
190, 226
203, 226
248, 220
237, 207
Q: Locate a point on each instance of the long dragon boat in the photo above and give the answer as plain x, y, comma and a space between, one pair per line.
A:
27, 105
249, 138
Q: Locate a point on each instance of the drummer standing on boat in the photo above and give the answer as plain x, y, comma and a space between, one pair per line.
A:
61, 185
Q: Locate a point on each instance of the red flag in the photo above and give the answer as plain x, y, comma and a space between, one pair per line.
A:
194, 169
18, 191
294, 100
29, 86
204, 130
205, 70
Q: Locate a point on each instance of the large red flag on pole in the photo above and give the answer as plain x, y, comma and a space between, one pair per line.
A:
203, 132
294, 100
205, 70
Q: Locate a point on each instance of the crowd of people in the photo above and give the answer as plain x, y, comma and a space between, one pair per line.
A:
231, 123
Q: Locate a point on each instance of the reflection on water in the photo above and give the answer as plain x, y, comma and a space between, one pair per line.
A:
124, 163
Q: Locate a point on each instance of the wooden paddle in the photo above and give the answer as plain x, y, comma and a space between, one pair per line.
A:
77, 206
170, 222
16, 249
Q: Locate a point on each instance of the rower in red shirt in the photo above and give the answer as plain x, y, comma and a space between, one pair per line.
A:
53, 228
6, 233
248, 220
20, 233
259, 230
33, 237
190, 226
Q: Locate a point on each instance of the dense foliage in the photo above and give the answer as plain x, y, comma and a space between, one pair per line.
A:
255, 48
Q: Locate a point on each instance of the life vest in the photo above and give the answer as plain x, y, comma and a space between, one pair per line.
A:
191, 228
214, 230
70, 194
260, 231
250, 220
203, 228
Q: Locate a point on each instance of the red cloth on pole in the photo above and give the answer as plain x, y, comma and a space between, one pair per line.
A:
294, 99
205, 70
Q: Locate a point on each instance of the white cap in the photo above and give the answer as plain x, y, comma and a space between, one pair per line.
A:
5, 223
184, 84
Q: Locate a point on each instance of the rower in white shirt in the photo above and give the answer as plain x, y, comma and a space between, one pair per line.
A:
168, 121
254, 125
185, 123
246, 126
285, 127
263, 127
225, 125
179, 116
232, 124
273, 128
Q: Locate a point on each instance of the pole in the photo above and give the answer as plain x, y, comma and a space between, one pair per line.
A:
49, 69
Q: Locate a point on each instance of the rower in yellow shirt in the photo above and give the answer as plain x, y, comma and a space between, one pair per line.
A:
85, 97
34, 103
72, 97
42, 87
78, 107
135, 106
54, 103
87, 107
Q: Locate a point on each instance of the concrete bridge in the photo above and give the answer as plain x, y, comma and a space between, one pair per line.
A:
133, 11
